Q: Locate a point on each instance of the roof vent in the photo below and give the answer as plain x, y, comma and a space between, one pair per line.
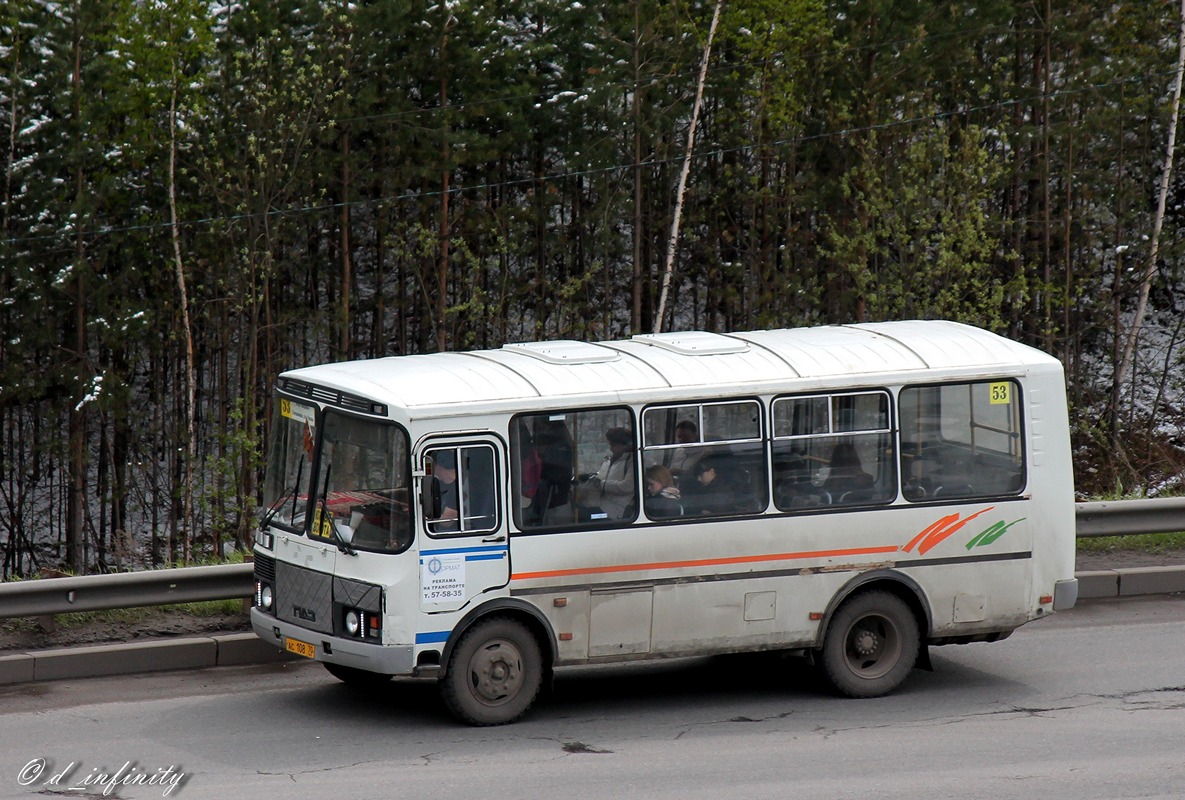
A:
564, 352
694, 343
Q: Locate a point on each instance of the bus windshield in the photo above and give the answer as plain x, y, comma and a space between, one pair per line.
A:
289, 464
362, 483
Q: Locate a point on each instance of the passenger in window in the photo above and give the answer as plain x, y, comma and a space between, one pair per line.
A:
662, 496
555, 480
794, 488
847, 482
444, 515
683, 458
530, 467
613, 484
716, 490
914, 486
922, 472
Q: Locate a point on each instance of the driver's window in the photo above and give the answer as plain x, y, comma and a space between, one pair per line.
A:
460, 489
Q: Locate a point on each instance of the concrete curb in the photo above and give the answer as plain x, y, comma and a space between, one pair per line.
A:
235, 649
1131, 581
242, 649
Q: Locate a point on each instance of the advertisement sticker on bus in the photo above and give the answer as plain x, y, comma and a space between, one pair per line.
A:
442, 578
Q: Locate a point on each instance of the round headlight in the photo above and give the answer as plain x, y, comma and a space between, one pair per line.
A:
265, 596
353, 624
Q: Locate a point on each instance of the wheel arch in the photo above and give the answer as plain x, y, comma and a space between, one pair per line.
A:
890, 580
516, 609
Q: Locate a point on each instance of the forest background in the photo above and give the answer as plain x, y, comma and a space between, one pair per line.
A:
198, 195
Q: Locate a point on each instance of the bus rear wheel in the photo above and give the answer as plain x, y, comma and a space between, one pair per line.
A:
871, 645
494, 673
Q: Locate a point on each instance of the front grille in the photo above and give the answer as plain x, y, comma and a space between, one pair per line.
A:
304, 597
265, 569
332, 397
354, 594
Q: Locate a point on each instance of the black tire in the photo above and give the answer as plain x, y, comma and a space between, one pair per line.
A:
356, 678
871, 645
494, 673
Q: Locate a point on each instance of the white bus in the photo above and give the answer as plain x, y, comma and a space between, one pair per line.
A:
854, 494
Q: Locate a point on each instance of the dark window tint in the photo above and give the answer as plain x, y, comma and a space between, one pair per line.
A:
833, 450
703, 459
574, 469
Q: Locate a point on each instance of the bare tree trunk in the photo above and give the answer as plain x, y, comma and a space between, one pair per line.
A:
1129, 347
636, 105
347, 267
77, 492
1117, 283
1046, 331
13, 119
674, 238
442, 264
190, 369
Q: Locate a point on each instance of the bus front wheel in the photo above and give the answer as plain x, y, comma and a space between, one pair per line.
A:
871, 645
494, 673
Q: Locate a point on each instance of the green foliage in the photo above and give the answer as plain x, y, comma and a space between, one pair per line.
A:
915, 240
238, 451
1151, 543
363, 179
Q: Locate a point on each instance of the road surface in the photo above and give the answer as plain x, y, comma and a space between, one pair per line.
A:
1089, 704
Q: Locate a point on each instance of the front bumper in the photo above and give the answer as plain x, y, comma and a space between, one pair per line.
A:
398, 659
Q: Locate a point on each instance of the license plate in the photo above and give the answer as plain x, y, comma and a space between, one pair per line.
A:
300, 648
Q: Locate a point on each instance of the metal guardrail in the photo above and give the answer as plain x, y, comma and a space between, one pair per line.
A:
232, 581
1130, 517
125, 590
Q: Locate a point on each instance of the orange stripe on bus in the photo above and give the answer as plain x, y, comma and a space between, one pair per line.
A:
706, 562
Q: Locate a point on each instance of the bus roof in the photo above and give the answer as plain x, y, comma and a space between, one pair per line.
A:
677, 364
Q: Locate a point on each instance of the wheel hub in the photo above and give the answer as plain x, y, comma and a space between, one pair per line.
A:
865, 642
496, 672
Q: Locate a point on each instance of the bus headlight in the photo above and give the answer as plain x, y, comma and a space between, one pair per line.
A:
263, 596
359, 624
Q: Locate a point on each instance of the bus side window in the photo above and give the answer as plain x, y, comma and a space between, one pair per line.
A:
714, 454
479, 482
574, 469
460, 494
965, 440
833, 450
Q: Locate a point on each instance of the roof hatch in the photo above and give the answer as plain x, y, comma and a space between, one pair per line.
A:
694, 343
564, 351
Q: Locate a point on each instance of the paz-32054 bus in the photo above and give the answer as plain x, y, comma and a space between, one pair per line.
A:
854, 493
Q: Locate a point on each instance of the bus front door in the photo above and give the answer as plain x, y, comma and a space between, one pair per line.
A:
464, 549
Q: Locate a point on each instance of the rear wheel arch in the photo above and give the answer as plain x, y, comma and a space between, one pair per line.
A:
886, 580
871, 645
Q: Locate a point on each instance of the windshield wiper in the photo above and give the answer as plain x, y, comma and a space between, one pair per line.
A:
294, 494
342, 544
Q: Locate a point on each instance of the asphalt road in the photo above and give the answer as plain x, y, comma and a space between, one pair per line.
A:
1089, 704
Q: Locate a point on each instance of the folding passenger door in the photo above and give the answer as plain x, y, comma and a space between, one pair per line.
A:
462, 517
